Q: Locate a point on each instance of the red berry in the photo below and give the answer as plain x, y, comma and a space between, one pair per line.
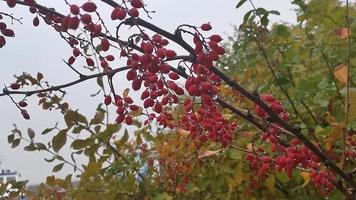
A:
74, 9
268, 98
164, 68
193, 90
86, 19
22, 104
133, 12
136, 3
148, 103
89, 6
71, 60
73, 23
36, 21
2, 26
171, 54
76, 52
215, 38
25, 114
110, 58
145, 94
260, 112
118, 13
105, 44
15, 86
148, 47
173, 76
136, 84
206, 27
158, 107
11, 3
8, 33
131, 74
128, 120
107, 100
2, 41
134, 107
120, 119
90, 62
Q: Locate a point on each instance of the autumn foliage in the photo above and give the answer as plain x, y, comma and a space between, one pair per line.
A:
268, 114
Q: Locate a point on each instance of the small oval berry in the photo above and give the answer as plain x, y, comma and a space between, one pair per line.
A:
205, 27
8, 33
36, 21
22, 104
11, 3
74, 9
107, 100
133, 12
89, 6
128, 120
90, 62
15, 86
105, 44
136, 3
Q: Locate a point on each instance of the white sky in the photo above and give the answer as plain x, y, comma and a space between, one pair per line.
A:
41, 49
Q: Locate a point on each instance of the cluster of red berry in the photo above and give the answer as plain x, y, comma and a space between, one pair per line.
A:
287, 158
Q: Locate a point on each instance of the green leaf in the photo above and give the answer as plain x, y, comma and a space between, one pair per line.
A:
109, 131
282, 31
40, 146
282, 177
80, 144
270, 184
124, 138
57, 167
30, 147
47, 130
264, 20
247, 16
274, 12
15, 143
241, 2
99, 81
30, 133
98, 118
73, 117
49, 160
10, 138
59, 140
162, 196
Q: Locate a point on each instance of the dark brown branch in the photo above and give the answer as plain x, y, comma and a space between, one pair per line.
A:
58, 87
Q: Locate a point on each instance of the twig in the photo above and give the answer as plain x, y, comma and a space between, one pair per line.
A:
58, 87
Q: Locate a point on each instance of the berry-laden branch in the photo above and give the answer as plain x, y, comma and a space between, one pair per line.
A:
273, 117
148, 67
83, 78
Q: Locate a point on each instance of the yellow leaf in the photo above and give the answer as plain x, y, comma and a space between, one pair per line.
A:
335, 134
342, 33
340, 73
352, 101
183, 132
227, 116
228, 196
250, 147
306, 178
208, 153
270, 181
331, 120
238, 176
126, 92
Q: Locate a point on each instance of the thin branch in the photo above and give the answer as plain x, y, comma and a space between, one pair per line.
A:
347, 104
58, 87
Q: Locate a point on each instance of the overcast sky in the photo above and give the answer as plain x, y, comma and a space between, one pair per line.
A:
41, 49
